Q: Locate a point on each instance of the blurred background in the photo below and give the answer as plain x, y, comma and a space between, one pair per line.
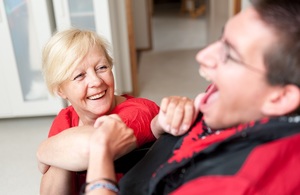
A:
154, 46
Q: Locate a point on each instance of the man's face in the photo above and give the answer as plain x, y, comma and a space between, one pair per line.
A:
235, 65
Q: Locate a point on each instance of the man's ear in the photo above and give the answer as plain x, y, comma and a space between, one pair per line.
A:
282, 101
60, 92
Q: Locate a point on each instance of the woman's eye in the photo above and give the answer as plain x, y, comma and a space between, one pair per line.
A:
78, 77
103, 68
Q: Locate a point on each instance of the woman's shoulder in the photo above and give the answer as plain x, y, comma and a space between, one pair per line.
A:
67, 116
67, 111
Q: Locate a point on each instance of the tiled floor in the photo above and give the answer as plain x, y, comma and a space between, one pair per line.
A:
169, 69
19, 139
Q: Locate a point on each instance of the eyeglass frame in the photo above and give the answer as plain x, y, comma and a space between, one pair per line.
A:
226, 45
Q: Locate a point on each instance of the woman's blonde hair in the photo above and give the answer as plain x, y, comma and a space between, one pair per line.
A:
65, 50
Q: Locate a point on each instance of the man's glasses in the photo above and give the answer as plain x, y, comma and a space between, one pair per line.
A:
225, 57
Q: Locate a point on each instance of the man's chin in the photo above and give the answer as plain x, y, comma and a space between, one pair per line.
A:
215, 124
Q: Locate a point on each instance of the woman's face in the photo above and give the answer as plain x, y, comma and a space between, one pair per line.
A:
90, 89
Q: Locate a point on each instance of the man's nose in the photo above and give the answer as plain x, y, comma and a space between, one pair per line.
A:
210, 56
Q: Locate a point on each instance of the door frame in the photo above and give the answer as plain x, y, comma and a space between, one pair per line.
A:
237, 6
132, 49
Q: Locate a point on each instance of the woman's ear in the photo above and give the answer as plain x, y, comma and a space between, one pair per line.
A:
282, 100
61, 93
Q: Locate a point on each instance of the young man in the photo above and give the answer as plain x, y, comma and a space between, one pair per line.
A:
246, 137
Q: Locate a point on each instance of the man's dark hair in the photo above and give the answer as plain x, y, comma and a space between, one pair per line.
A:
283, 59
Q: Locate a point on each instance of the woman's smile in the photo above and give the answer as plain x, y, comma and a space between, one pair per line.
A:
97, 96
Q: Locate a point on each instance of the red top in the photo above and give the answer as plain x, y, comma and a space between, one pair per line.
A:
136, 113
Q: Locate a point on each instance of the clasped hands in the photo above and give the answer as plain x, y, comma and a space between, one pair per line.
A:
176, 116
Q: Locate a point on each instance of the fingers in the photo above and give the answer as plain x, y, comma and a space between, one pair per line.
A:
109, 123
178, 114
189, 113
100, 120
115, 116
113, 134
164, 104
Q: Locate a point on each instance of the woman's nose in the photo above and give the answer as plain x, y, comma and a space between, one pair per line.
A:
94, 80
210, 56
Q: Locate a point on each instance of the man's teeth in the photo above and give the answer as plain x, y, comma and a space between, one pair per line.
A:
204, 75
100, 95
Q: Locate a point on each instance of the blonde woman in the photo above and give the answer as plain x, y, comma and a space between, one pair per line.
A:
78, 68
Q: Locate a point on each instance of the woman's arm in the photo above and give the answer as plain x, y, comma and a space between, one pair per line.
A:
72, 144
56, 181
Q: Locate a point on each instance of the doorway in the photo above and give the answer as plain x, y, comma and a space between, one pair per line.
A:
173, 29
169, 67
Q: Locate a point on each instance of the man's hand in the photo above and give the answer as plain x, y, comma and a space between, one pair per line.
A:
113, 134
176, 116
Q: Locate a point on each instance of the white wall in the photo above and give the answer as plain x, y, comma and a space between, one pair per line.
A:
140, 10
218, 12
245, 3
